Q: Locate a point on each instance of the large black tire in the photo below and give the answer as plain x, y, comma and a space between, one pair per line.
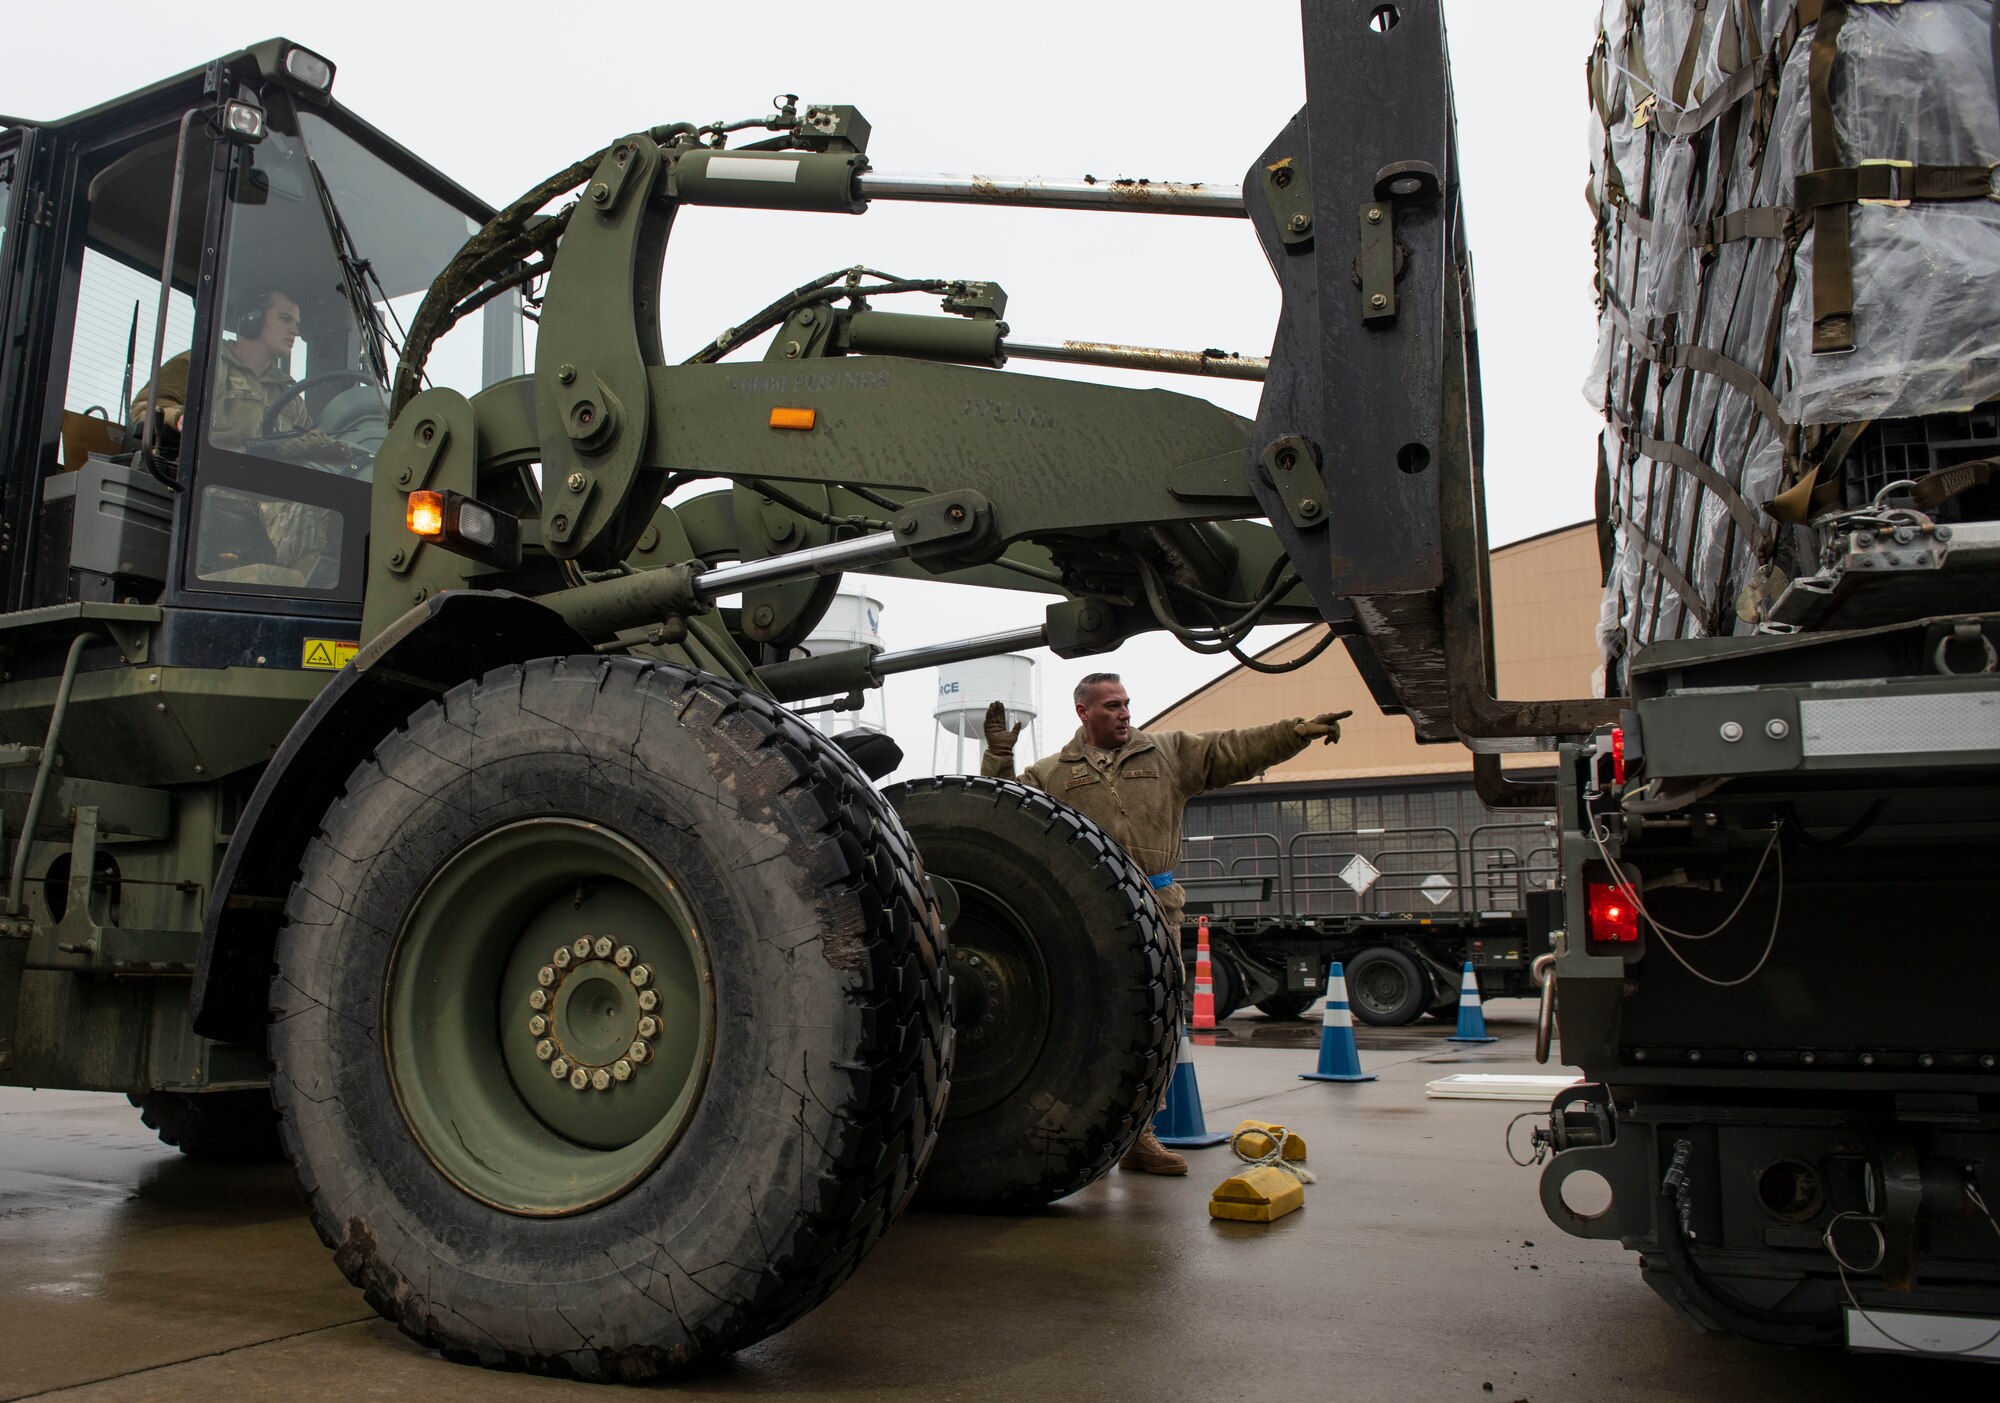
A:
1385, 987
228, 1125
1068, 991
1287, 1005
804, 1119
1226, 984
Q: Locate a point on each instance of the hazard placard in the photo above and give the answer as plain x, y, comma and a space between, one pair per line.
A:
330, 654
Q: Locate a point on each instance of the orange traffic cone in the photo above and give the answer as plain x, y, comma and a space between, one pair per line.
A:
1204, 981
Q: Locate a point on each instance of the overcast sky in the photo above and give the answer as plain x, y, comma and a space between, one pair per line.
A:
500, 95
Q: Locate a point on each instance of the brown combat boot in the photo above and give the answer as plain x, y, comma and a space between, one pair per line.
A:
1149, 1154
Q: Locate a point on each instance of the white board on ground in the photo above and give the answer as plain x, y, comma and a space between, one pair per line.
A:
1496, 1086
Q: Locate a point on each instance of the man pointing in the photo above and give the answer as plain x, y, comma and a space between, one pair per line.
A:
1135, 784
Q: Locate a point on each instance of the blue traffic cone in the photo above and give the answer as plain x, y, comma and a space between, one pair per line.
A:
1471, 1017
1179, 1122
1339, 1058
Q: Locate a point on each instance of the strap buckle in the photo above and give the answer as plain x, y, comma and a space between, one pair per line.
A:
1898, 182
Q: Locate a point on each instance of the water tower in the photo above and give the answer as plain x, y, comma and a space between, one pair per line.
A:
964, 691
854, 620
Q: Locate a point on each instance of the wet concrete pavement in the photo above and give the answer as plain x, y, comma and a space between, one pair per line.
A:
1420, 1267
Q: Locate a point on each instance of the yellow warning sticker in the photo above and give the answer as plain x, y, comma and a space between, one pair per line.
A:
329, 653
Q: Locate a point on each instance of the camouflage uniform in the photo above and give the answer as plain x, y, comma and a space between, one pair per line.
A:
236, 408
239, 400
1137, 792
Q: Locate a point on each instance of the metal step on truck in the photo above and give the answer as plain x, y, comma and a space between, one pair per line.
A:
1403, 910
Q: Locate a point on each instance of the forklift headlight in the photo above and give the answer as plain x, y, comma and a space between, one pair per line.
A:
465, 527
243, 121
309, 70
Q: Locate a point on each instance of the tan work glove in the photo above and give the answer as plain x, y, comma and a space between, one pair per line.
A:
1324, 727
1000, 737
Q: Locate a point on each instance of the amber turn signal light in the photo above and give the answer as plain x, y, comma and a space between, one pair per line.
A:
426, 514
457, 523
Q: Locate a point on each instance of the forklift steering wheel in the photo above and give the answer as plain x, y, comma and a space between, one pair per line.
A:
311, 382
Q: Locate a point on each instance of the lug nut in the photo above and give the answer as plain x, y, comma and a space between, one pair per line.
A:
640, 976
621, 1070
601, 947
545, 1049
623, 959
538, 1025
545, 977
579, 1079
580, 947
649, 999
638, 1052
601, 1079
538, 998
559, 1068
561, 958
649, 1026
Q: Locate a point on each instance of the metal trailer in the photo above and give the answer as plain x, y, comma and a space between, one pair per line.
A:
1403, 910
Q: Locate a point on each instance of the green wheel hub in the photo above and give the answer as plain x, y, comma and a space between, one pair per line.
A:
1001, 988
549, 1016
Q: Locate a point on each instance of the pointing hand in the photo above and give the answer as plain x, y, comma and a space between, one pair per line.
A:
1325, 726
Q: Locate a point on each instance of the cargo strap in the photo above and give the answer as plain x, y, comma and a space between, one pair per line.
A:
1833, 258
1704, 359
1160, 881
1710, 477
1741, 377
1754, 222
1737, 86
1628, 215
1650, 551
1891, 182
1940, 485
1684, 75
1817, 487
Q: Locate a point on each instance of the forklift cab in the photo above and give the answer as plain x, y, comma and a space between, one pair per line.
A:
204, 287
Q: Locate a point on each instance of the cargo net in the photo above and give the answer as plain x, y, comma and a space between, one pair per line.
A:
1796, 246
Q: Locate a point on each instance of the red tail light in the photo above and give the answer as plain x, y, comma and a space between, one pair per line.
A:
1613, 918
1618, 755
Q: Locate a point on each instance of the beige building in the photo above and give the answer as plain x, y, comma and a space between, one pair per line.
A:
1545, 606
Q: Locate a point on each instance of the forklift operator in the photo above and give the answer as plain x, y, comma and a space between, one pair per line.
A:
251, 376
1135, 784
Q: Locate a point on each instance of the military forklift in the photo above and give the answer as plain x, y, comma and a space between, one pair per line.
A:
391, 778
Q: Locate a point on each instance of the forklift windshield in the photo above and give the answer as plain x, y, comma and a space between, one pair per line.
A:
327, 250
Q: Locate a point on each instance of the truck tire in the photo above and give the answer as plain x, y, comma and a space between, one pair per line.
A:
225, 1125
1287, 1005
1385, 987
543, 864
1226, 984
1068, 992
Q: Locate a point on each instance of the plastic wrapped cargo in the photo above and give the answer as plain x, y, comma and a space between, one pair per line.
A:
1797, 236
